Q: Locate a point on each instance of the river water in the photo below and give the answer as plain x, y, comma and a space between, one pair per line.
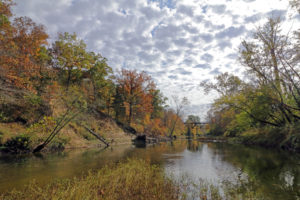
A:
272, 174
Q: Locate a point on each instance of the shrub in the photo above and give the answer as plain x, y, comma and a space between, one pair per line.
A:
18, 144
58, 144
3, 117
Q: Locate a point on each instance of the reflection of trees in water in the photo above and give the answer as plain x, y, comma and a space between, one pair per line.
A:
275, 174
155, 153
194, 145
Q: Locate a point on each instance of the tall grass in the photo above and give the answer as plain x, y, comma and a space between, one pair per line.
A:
133, 179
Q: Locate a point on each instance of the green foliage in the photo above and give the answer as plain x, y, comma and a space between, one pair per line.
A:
3, 20
58, 143
34, 100
240, 124
46, 75
18, 144
158, 103
3, 117
5, 12
216, 130
71, 58
193, 119
41, 129
101, 78
269, 99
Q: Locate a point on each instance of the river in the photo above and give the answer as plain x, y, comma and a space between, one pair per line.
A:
271, 173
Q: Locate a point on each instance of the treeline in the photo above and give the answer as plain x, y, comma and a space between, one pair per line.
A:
266, 103
36, 76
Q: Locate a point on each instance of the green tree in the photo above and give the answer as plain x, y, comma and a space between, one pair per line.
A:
101, 78
71, 58
269, 58
158, 103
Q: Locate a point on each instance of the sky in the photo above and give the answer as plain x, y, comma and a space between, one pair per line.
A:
180, 43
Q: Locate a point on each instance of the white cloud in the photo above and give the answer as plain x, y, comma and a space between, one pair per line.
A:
179, 42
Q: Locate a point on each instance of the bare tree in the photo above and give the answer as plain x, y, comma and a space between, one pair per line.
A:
179, 111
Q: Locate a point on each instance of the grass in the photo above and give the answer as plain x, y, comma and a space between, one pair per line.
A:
72, 136
132, 179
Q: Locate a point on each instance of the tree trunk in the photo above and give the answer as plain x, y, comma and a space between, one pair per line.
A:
97, 136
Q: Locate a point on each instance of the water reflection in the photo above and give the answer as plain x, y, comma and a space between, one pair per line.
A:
203, 161
271, 174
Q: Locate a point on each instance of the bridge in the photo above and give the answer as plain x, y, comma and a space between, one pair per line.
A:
196, 123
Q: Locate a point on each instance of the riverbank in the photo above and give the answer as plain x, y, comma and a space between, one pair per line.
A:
264, 172
134, 179
286, 138
18, 138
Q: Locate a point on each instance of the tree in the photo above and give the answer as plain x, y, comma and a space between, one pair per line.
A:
226, 84
192, 123
295, 4
101, 77
193, 119
71, 58
21, 44
270, 58
179, 108
169, 118
270, 95
24, 68
158, 103
75, 105
133, 93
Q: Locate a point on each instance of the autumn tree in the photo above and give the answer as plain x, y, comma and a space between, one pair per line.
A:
21, 44
169, 119
24, 67
133, 94
153, 122
193, 124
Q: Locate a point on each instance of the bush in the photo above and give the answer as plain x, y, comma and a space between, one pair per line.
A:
58, 144
18, 144
3, 117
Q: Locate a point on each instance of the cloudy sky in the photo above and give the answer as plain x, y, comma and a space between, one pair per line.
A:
178, 42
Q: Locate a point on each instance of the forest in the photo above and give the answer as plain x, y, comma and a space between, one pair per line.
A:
46, 87
263, 107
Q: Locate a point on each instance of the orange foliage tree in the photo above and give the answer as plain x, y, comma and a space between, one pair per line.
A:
21, 42
133, 88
